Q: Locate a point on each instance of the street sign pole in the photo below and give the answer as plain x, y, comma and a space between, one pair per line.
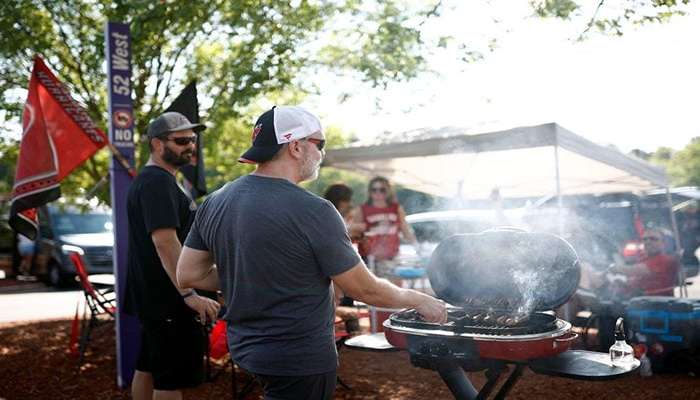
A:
121, 134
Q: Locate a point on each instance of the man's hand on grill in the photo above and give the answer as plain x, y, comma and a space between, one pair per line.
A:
432, 309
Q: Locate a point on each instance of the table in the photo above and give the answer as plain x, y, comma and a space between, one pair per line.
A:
582, 365
102, 281
370, 342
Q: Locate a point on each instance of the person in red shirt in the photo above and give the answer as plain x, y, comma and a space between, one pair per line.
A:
656, 274
384, 219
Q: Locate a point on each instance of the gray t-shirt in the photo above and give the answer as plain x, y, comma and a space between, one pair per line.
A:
276, 246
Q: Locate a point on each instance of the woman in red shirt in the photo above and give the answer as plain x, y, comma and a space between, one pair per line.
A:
384, 219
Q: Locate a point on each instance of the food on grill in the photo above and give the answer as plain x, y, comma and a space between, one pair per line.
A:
492, 322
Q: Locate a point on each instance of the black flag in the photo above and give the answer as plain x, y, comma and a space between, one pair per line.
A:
187, 105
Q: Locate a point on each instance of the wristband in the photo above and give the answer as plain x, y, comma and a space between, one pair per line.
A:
188, 294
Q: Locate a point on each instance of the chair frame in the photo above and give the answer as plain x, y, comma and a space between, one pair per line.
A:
98, 301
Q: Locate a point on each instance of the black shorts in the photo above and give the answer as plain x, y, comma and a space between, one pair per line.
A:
172, 351
310, 387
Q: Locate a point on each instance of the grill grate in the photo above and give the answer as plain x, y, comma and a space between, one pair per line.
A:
498, 323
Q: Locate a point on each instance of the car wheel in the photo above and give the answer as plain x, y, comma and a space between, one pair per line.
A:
55, 277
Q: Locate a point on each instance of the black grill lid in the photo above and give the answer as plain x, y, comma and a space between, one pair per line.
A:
533, 271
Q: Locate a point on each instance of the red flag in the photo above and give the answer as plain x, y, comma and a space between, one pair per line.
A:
58, 136
74, 333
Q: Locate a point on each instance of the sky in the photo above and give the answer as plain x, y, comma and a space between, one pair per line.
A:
636, 91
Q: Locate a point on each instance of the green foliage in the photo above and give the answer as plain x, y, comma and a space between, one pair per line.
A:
8, 155
683, 167
611, 16
554, 8
240, 51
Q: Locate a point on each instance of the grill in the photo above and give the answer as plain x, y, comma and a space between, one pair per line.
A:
479, 322
503, 286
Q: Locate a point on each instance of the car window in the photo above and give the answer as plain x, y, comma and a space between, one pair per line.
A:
70, 224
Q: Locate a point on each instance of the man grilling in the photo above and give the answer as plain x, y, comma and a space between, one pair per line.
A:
278, 247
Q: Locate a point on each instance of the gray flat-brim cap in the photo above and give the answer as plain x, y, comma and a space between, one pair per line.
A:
172, 122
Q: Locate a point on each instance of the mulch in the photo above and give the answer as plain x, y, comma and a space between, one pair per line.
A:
35, 364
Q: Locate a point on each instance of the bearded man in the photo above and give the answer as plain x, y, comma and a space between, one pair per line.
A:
160, 214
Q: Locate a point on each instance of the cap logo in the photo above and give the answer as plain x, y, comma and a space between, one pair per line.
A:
256, 131
287, 136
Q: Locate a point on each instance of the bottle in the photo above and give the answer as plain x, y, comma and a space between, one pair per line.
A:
621, 353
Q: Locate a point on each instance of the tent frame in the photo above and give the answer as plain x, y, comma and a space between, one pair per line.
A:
549, 134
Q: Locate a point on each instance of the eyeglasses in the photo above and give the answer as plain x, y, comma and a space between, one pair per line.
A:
378, 190
181, 141
651, 238
320, 143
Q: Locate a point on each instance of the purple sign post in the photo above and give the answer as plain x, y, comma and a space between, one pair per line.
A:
121, 134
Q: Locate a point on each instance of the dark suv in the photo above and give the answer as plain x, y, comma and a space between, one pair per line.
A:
9, 259
65, 229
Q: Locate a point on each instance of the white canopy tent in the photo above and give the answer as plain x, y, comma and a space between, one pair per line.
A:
533, 161
542, 160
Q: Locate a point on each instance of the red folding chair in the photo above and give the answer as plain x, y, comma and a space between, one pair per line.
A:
98, 301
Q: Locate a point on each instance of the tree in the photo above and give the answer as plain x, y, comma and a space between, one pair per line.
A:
238, 50
684, 165
610, 16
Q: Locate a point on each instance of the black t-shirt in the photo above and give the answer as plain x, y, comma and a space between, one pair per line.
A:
276, 247
155, 201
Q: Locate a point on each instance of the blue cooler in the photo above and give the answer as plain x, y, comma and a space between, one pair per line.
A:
669, 327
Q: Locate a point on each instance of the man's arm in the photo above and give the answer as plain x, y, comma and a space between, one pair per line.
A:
196, 269
359, 283
168, 248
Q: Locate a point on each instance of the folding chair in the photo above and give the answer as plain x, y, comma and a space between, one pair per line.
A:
217, 348
98, 301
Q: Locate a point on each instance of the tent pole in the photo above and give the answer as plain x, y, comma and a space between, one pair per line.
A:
679, 250
560, 214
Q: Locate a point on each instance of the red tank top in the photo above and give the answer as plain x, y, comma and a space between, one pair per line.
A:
381, 239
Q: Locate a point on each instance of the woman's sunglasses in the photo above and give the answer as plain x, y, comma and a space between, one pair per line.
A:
181, 141
378, 190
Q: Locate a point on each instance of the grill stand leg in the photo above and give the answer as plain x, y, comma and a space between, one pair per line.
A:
492, 375
456, 380
462, 389
510, 382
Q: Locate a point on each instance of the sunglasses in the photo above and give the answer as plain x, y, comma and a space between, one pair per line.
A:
378, 190
651, 238
320, 143
181, 141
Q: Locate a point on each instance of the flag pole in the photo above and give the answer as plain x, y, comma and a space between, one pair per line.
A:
122, 160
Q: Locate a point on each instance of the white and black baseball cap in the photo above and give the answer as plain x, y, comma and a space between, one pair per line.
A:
277, 126
171, 121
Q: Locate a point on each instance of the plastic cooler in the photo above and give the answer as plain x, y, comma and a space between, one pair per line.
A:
668, 326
